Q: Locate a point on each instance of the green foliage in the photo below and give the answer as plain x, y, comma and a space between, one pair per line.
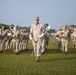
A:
5, 25
12, 25
73, 26
53, 62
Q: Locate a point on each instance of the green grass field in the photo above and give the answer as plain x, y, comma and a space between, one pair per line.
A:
53, 62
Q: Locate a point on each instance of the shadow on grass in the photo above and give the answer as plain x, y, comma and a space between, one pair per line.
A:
10, 51
48, 51
71, 51
58, 59
53, 51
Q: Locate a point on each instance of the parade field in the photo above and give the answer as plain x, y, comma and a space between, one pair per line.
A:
52, 62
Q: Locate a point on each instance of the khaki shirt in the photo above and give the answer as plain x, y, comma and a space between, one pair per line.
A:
36, 30
65, 35
58, 36
17, 34
73, 36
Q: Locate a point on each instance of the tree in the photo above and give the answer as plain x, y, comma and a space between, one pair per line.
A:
5, 25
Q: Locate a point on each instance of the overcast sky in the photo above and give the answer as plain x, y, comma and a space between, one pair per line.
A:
22, 12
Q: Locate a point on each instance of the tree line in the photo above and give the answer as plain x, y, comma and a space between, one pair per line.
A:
27, 28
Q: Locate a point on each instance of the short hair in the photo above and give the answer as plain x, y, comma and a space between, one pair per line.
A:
37, 18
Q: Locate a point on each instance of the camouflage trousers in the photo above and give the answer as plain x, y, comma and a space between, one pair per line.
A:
64, 46
37, 47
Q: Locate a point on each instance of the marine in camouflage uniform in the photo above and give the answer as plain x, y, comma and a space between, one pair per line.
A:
58, 37
16, 39
65, 39
36, 35
73, 37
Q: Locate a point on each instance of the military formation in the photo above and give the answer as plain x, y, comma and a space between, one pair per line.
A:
62, 37
17, 39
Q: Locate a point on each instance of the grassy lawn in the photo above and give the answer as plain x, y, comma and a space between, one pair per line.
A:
53, 62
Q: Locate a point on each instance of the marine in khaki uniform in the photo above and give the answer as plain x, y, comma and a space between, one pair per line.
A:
0, 39
24, 39
46, 40
3, 36
42, 38
36, 33
73, 37
8, 40
16, 39
58, 38
65, 39
47, 34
